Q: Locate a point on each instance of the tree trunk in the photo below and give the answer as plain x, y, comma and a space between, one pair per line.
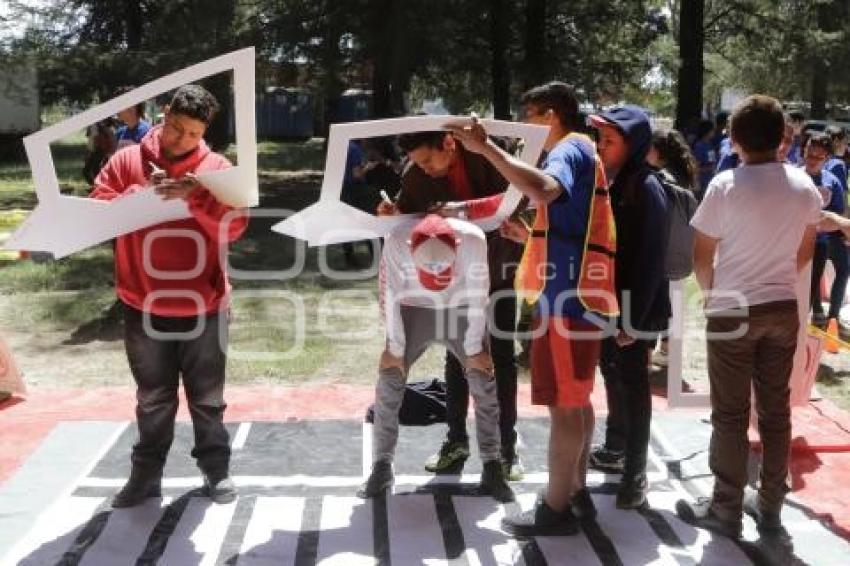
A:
820, 78
690, 79
499, 71
535, 72
134, 24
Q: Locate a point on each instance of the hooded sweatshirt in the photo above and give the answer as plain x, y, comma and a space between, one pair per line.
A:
183, 276
640, 214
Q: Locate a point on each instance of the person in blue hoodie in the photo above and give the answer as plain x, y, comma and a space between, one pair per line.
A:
640, 213
828, 245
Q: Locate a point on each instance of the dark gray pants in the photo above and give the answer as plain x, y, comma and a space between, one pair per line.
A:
760, 361
157, 364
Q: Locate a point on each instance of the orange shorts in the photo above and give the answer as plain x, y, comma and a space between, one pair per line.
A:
563, 364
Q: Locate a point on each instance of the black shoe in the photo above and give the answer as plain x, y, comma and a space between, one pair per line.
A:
493, 482
606, 460
701, 515
139, 487
632, 492
221, 491
380, 480
765, 520
541, 520
582, 505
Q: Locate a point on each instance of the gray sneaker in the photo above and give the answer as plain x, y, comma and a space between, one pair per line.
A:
380, 480
765, 520
700, 514
139, 487
222, 491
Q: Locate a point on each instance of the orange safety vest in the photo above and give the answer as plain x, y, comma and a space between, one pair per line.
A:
595, 289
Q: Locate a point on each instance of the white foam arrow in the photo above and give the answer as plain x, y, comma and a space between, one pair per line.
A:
331, 221
63, 224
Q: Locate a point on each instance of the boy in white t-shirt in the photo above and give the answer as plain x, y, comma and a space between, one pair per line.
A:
755, 232
434, 287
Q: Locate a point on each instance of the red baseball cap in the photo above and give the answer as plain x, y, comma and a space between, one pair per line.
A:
433, 245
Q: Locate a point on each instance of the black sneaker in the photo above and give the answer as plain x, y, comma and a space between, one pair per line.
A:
541, 520
632, 492
380, 480
139, 487
606, 460
221, 491
493, 482
765, 520
701, 515
450, 456
582, 505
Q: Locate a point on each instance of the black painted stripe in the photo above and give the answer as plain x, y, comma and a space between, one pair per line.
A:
601, 249
538, 233
531, 553
666, 534
450, 528
307, 549
601, 192
86, 537
164, 528
601, 543
232, 543
381, 531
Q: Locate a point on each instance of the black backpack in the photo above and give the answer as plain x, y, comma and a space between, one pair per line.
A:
424, 404
681, 206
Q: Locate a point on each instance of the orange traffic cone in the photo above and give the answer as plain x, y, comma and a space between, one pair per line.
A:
830, 344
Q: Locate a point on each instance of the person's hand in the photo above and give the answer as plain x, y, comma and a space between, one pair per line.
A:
623, 339
832, 222
157, 176
471, 134
387, 209
171, 189
456, 209
514, 230
480, 361
825, 195
389, 361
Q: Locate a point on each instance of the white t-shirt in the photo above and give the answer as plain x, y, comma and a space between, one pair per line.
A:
759, 213
470, 285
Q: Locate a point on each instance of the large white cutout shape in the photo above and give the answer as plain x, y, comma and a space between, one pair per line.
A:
331, 221
64, 224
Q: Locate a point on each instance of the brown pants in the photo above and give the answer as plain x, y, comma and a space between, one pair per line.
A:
761, 355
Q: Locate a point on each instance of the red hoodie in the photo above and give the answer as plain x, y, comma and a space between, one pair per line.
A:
202, 287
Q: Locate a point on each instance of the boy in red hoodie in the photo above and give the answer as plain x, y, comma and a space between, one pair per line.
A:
176, 295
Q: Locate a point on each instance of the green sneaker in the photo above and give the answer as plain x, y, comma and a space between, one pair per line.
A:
512, 467
450, 455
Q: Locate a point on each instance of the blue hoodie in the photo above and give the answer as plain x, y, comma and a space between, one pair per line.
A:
640, 213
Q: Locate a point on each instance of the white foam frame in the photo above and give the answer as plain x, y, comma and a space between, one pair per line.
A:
63, 224
805, 357
331, 221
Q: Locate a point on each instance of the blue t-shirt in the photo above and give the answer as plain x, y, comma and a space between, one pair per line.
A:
706, 156
795, 152
126, 136
836, 202
354, 158
837, 167
728, 158
572, 164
